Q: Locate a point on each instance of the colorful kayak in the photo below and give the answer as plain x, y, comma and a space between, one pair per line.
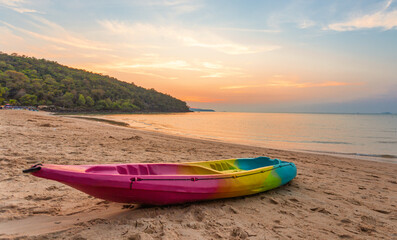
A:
170, 183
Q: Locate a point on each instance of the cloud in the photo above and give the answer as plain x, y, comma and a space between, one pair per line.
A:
152, 75
214, 75
186, 37
306, 24
384, 18
175, 65
251, 30
241, 86
7, 37
286, 83
146, 65
16, 5
177, 6
62, 37
201, 99
226, 47
212, 65
309, 84
166, 2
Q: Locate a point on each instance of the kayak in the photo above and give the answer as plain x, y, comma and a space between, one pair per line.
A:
171, 183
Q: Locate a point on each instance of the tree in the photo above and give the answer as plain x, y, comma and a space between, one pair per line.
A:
81, 100
3, 90
128, 106
67, 99
90, 102
13, 102
28, 100
106, 104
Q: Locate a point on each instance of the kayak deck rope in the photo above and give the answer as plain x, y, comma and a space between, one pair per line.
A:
194, 179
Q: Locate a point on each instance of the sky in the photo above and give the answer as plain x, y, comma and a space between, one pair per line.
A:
228, 55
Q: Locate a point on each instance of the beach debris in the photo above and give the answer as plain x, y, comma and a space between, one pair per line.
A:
199, 215
366, 228
272, 200
320, 210
133, 138
346, 220
233, 210
345, 236
239, 233
47, 125
382, 211
140, 236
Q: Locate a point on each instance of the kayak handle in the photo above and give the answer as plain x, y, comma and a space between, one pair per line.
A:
34, 168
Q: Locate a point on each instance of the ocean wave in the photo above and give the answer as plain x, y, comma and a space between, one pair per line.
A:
389, 156
388, 142
330, 142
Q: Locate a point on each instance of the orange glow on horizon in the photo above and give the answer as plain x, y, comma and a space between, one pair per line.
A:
200, 99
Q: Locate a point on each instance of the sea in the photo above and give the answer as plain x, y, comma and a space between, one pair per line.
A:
362, 136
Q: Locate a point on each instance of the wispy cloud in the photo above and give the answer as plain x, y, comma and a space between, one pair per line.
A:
177, 6
149, 64
310, 84
63, 37
189, 38
306, 24
253, 30
201, 99
166, 2
175, 65
286, 83
385, 19
8, 36
16, 5
227, 47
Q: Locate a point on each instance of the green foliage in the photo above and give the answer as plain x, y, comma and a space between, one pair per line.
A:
81, 101
28, 100
42, 82
89, 101
3, 91
13, 102
67, 99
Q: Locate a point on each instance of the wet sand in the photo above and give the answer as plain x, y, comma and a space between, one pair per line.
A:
330, 198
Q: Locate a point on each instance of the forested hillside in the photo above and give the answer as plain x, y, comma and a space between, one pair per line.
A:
30, 81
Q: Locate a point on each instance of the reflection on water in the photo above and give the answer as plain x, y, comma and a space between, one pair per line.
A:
353, 134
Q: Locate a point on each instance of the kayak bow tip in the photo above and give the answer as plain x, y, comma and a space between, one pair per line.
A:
34, 168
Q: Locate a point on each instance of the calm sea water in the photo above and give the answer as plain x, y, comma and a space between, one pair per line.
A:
355, 135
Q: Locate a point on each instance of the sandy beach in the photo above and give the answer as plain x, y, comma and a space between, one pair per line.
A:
330, 198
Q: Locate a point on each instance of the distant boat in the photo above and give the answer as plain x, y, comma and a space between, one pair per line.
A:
170, 183
201, 110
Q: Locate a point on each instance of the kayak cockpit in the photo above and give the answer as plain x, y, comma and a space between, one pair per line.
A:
239, 164
194, 168
152, 169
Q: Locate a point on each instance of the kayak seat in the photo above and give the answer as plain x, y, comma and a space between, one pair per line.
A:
254, 163
179, 169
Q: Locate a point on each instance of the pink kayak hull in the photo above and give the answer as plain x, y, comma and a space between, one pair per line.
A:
160, 184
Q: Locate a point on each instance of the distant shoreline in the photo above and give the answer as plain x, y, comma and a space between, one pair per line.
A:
108, 113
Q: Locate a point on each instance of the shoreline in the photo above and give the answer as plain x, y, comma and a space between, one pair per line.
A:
383, 158
331, 197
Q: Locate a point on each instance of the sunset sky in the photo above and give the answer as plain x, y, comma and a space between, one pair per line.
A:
265, 56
